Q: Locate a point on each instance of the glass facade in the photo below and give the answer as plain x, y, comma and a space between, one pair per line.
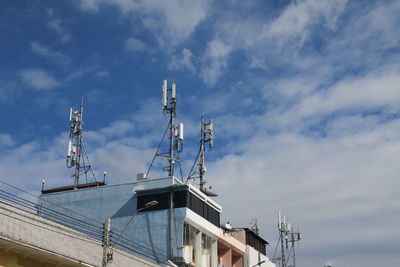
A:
182, 198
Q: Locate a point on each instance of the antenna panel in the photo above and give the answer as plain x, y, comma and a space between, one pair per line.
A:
173, 91
164, 94
70, 114
279, 220
181, 131
69, 148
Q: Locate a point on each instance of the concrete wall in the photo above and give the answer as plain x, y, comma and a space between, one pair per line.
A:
26, 236
253, 257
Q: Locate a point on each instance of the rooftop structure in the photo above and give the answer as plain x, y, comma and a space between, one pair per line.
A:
184, 225
163, 220
27, 239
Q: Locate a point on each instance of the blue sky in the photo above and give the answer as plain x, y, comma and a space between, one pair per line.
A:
305, 97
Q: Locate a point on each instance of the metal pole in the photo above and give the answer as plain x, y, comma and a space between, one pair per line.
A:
170, 223
171, 143
283, 260
78, 154
294, 255
201, 161
107, 253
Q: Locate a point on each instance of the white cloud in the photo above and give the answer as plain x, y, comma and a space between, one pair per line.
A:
375, 90
90, 5
180, 17
268, 40
102, 74
356, 45
292, 27
135, 45
38, 79
8, 89
172, 22
183, 61
215, 60
123, 149
45, 52
50, 11
331, 181
6, 140
60, 30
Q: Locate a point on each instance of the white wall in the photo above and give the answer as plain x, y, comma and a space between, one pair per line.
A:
253, 257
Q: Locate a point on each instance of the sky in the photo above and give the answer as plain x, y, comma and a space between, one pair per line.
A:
305, 96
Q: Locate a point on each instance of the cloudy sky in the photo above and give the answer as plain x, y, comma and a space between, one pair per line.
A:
305, 96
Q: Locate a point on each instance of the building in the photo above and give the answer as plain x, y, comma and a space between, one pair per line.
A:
183, 226
29, 240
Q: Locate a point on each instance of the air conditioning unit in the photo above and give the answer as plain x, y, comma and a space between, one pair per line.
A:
141, 176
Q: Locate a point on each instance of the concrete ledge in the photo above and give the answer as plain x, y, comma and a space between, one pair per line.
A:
31, 235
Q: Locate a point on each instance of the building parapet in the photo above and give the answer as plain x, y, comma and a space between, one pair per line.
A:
32, 236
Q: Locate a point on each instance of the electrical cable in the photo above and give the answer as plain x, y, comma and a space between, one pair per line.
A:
143, 246
79, 225
194, 164
180, 165
52, 203
90, 164
276, 248
158, 149
56, 216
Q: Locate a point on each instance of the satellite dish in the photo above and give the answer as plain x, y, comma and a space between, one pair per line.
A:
208, 193
228, 226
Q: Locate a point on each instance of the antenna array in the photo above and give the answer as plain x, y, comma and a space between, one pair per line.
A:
175, 131
287, 240
76, 146
254, 225
207, 129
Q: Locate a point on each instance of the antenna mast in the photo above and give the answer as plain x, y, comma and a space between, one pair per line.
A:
175, 145
76, 146
207, 129
254, 225
286, 237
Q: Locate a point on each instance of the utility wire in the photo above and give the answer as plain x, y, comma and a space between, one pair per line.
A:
276, 248
158, 149
90, 164
52, 203
78, 224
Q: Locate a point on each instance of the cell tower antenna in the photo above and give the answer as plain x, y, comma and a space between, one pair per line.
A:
254, 225
77, 157
175, 145
287, 240
207, 137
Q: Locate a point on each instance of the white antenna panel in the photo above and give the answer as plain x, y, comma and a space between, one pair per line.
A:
69, 148
181, 131
173, 91
164, 93
211, 126
279, 220
70, 114
289, 227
